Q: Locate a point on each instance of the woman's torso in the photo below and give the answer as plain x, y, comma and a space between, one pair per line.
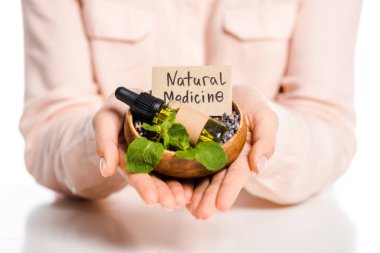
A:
128, 37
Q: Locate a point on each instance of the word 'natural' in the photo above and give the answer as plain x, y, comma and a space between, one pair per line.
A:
189, 80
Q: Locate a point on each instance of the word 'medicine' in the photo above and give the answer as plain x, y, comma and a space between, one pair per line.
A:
204, 88
197, 98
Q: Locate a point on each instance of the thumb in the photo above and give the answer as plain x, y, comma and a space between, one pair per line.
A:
107, 124
262, 122
264, 130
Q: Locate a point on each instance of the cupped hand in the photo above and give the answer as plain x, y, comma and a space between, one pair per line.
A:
108, 126
220, 191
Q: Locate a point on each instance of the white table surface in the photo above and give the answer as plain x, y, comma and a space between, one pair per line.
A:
34, 219
37, 221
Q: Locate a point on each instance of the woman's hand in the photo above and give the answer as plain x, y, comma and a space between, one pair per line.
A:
108, 123
221, 190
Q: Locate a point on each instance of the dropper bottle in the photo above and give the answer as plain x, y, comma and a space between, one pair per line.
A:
153, 110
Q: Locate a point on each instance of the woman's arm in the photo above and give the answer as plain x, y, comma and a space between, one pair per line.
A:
307, 133
67, 123
61, 98
315, 139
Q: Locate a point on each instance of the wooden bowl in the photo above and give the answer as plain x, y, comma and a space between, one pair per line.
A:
170, 165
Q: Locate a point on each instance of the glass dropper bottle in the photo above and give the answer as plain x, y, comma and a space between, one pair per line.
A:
153, 110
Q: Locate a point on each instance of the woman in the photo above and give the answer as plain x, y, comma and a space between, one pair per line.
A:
293, 58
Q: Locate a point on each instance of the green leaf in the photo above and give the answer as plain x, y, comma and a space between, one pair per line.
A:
211, 155
186, 154
178, 137
165, 126
168, 122
166, 140
154, 128
143, 155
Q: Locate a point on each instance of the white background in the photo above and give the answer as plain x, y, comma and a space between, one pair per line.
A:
11, 94
357, 191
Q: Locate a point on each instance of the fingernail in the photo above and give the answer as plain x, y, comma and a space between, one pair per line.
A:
262, 163
151, 200
187, 199
180, 205
102, 166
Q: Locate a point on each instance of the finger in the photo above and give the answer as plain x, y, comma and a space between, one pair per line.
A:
145, 187
199, 190
143, 183
233, 182
264, 131
188, 188
165, 196
208, 203
178, 192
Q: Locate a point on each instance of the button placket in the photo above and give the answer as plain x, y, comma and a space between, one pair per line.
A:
192, 32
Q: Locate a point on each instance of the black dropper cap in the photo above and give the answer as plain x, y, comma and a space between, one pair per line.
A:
143, 105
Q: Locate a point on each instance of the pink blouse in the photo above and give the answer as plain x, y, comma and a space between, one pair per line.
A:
79, 51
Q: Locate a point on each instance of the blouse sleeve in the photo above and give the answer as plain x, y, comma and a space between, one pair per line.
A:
315, 141
60, 100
